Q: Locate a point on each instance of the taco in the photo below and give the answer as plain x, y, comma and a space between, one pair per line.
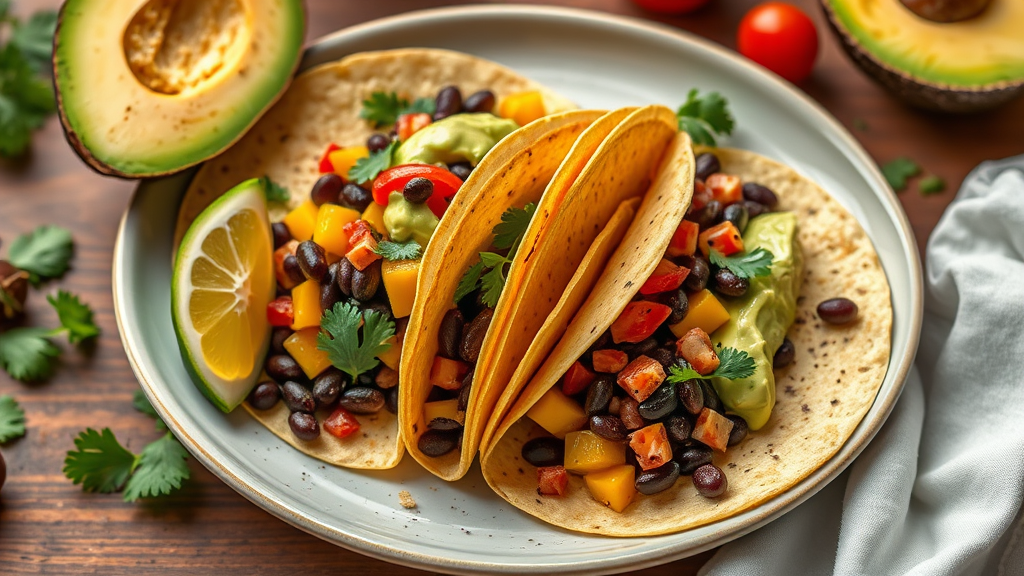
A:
698, 379
354, 206
459, 359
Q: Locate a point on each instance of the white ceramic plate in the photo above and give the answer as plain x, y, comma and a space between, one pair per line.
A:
600, 62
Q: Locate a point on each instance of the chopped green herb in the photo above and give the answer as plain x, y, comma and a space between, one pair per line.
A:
367, 168
384, 108
342, 339
705, 117
44, 252
491, 284
897, 171
507, 234
159, 470
469, 282
12, 419
931, 185
398, 250
513, 225
34, 38
26, 353
274, 191
102, 464
734, 364
75, 317
420, 105
746, 265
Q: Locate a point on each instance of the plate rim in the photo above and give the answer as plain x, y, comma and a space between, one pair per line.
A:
768, 511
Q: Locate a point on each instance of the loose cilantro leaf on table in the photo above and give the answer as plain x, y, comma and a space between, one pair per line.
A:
26, 354
897, 171
392, 251
12, 419
159, 470
274, 191
100, 464
747, 265
734, 364
342, 339
367, 168
507, 234
44, 252
26, 99
141, 403
705, 117
75, 317
931, 185
34, 38
384, 108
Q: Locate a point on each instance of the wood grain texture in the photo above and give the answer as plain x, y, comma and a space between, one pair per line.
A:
48, 526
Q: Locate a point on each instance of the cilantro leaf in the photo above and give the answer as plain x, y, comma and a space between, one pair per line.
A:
367, 168
12, 419
746, 265
75, 317
44, 252
34, 38
141, 403
342, 340
705, 117
420, 105
513, 225
383, 108
26, 100
733, 365
469, 282
398, 250
897, 171
160, 469
100, 464
274, 191
26, 354
492, 260
492, 283
931, 185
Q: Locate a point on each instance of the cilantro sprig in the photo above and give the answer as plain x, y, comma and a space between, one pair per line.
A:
26, 97
897, 172
44, 252
367, 168
27, 354
384, 108
342, 344
757, 262
12, 419
508, 234
931, 184
733, 365
274, 191
705, 117
392, 251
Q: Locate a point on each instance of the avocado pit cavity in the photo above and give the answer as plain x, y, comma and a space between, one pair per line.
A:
946, 10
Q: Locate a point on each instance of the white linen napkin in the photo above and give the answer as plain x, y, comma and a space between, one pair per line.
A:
939, 490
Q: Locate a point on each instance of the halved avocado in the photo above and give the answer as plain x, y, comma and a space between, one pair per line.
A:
962, 66
148, 88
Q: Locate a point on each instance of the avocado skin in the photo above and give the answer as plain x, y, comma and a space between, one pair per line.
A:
917, 92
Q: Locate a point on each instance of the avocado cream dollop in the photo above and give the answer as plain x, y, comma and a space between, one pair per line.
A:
407, 221
759, 320
463, 137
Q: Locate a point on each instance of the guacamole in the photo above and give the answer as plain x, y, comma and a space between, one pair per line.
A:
759, 320
407, 221
463, 137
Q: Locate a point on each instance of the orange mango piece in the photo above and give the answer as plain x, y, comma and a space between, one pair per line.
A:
524, 107
443, 409
302, 347
328, 233
306, 305
613, 487
343, 159
706, 313
557, 413
374, 216
587, 452
400, 283
301, 221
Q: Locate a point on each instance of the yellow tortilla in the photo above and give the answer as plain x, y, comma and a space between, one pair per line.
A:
821, 397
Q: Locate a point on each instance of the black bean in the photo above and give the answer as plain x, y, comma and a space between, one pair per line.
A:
461, 170
362, 400
386, 378
691, 396
737, 214
282, 367
304, 426
327, 189
601, 343
838, 311
449, 335
312, 260
678, 428
710, 481
281, 234
692, 458
608, 427
784, 355
660, 403
473, 336
365, 282
754, 209
418, 190
391, 400
728, 283
761, 194
640, 348
382, 307
739, 429
599, 395
711, 399
697, 279
664, 356
465, 391
377, 142
355, 197
544, 451
707, 216
482, 101
264, 396
629, 412
444, 425
330, 294
297, 397
277, 338
292, 269
343, 277
366, 379
657, 480
678, 302
328, 386
436, 443
447, 103
705, 165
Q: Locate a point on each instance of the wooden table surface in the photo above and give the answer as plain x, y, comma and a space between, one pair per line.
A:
47, 525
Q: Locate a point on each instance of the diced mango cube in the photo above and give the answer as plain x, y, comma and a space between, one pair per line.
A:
613, 487
443, 409
302, 347
392, 355
587, 452
524, 107
557, 413
306, 305
447, 373
330, 221
706, 313
343, 159
374, 216
400, 283
301, 221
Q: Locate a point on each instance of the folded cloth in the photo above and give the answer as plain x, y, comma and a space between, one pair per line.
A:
939, 490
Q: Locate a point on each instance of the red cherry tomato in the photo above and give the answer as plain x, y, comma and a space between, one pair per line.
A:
670, 6
394, 179
781, 38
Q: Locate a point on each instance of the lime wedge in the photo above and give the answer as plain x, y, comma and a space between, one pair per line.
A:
223, 281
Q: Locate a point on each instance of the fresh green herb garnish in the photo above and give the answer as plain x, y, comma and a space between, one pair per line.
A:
507, 234
75, 317
141, 403
734, 364
159, 470
12, 419
384, 108
931, 185
420, 105
898, 171
26, 98
747, 265
44, 252
398, 250
469, 282
705, 117
274, 191
26, 353
100, 464
34, 38
367, 168
342, 339
514, 222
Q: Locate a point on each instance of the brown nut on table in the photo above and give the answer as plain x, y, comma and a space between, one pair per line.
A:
13, 290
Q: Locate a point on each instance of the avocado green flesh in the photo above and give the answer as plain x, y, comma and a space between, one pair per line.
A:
407, 221
463, 137
759, 320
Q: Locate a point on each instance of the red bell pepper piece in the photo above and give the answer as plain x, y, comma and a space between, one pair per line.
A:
667, 276
609, 361
325, 162
280, 312
723, 238
712, 429
409, 124
684, 241
651, 446
641, 378
577, 378
341, 423
695, 347
638, 321
394, 179
552, 480
725, 188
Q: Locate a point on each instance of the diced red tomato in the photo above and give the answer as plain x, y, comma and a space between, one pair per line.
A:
651, 446
552, 480
576, 379
641, 377
701, 196
394, 179
684, 241
723, 238
667, 276
638, 321
725, 188
362, 244
279, 255
325, 162
712, 429
280, 312
695, 347
341, 423
609, 361
447, 373
409, 124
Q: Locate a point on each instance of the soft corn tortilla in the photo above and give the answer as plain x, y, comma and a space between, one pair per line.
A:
322, 105
611, 162
821, 397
